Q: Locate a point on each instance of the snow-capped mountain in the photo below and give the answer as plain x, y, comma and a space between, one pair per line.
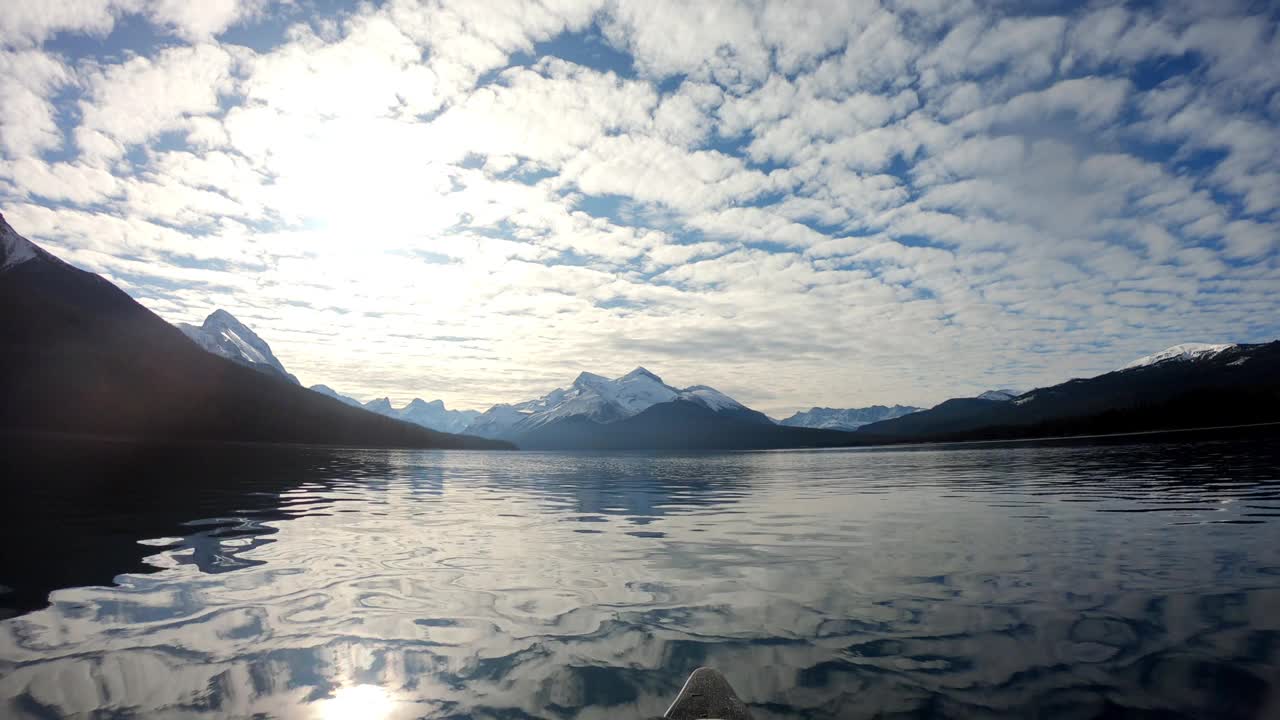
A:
1002, 395
846, 418
326, 390
432, 415
603, 400
1183, 352
15, 249
222, 334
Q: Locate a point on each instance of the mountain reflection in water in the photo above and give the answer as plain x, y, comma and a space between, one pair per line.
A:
1071, 580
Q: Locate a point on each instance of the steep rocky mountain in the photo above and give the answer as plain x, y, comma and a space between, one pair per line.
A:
222, 334
78, 355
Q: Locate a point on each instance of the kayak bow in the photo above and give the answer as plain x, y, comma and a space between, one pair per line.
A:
705, 695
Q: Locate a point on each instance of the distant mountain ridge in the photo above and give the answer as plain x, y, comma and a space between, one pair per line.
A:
1000, 395
846, 418
679, 424
601, 400
429, 414
78, 355
1180, 353
330, 392
1175, 388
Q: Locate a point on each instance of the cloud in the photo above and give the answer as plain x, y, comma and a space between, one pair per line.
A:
24, 24
817, 203
136, 100
29, 23
201, 20
28, 80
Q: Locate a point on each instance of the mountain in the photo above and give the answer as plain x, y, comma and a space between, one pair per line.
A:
679, 424
1175, 388
1186, 352
846, 419
600, 400
222, 334
434, 415
330, 392
999, 395
431, 415
78, 355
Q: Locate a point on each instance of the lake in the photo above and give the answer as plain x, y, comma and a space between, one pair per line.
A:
1135, 577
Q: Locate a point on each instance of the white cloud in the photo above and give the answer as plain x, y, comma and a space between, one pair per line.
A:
134, 101
886, 183
547, 114
1249, 239
794, 136
1094, 102
716, 40
30, 23
201, 20
74, 182
28, 79
651, 170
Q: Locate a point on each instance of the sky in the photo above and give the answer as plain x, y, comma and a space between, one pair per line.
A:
798, 203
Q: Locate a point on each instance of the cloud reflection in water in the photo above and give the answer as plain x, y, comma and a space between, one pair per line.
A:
981, 581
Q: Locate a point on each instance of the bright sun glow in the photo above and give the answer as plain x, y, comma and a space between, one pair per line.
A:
361, 702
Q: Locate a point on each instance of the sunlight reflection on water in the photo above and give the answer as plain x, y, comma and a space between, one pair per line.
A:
360, 702
948, 583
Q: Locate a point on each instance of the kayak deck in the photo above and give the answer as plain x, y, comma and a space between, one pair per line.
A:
706, 694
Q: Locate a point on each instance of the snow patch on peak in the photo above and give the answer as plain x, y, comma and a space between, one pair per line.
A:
846, 418
710, 398
1181, 353
222, 317
417, 403
221, 323
222, 334
14, 249
326, 390
640, 372
589, 379
381, 405
1001, 395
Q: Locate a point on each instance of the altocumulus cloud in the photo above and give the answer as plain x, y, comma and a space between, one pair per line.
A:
798, 202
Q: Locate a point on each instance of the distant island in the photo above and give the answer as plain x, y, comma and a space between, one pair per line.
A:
81, 356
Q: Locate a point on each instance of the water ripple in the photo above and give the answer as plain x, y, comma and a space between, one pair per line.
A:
1075, 580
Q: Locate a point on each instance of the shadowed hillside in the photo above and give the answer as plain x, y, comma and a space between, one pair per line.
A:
78, 355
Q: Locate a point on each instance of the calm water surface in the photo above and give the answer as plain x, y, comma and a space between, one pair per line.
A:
1081, 580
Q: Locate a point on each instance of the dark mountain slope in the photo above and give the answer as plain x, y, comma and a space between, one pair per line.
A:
676, 425
1238, 385
78, 355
